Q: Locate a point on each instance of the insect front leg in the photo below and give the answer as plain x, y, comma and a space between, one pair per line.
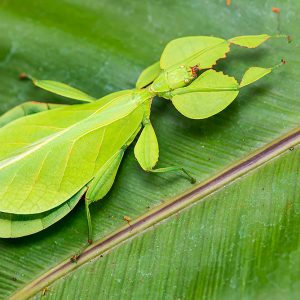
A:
146, 152
25, 109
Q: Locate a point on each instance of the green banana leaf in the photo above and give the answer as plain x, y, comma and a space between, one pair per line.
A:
234, 234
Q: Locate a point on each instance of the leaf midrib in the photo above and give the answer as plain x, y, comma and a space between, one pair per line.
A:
164, 211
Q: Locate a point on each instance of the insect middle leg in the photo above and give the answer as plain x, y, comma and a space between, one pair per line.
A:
147, 152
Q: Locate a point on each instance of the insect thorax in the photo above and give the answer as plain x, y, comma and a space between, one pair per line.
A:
172, 78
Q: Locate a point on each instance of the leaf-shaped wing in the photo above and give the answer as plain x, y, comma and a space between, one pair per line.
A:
12, 225
206, 96
25, 131
63, 150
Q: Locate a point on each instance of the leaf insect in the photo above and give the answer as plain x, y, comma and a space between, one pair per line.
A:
53, 155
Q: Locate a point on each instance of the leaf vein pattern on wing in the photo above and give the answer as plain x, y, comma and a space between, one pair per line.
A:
11, 182
66, 164
35, 180
99, 149
54, 136
44, 126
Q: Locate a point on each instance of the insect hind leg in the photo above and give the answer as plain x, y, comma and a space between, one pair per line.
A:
25, 109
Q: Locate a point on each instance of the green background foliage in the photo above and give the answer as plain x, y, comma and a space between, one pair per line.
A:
243, 241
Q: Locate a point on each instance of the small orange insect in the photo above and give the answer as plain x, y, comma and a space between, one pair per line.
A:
276, 10
23, 76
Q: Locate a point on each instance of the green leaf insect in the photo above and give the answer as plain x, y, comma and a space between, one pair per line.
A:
53, 155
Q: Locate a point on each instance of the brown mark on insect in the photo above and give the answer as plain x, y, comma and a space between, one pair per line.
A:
127, 219
289, 38
14, 279
23, 76
291, 148
45, 290
283, 61
194, 71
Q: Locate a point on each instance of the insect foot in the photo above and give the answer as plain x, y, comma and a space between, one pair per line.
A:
127, 219
75, 258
